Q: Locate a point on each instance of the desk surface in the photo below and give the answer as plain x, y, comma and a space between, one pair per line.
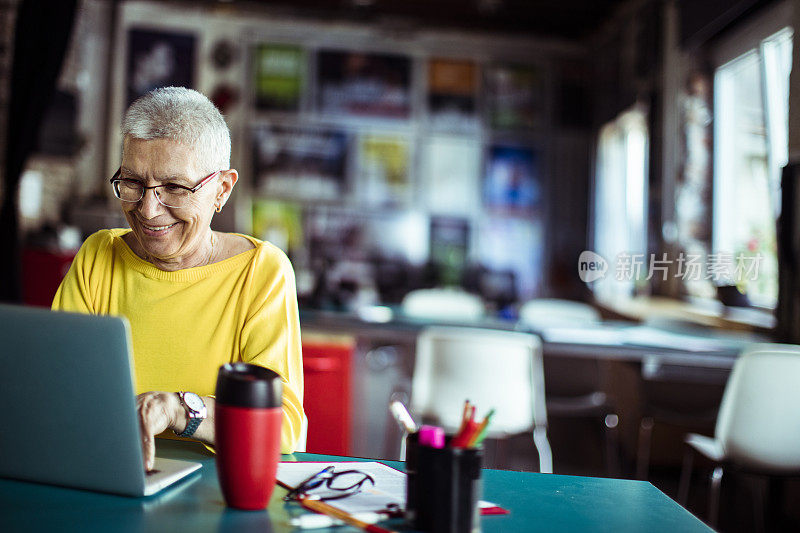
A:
538, 502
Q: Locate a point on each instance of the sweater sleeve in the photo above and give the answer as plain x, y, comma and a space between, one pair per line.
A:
77, 290
271, 338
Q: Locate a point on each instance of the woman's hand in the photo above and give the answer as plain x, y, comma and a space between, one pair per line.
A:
159, 411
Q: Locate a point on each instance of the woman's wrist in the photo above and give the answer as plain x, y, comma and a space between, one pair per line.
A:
180, 418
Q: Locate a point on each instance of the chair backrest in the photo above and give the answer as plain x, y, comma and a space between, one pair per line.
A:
554, 312
443, 304
759, 419
491, 368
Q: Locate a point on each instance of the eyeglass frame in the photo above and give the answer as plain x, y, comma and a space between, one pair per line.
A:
326, 476
116, 177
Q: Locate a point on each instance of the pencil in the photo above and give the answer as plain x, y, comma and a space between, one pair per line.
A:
324, 508
480, 433
464, 417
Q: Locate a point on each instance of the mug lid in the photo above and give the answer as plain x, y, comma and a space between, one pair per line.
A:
246, 385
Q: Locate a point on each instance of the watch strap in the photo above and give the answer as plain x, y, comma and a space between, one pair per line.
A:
191, 427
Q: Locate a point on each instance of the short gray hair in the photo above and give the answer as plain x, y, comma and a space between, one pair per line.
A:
182, 115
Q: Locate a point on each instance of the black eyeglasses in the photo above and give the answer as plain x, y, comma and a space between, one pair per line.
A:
340, 484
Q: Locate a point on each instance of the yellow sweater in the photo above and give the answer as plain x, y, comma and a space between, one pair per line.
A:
187, 323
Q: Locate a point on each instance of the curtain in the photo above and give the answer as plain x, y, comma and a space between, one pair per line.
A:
41, 36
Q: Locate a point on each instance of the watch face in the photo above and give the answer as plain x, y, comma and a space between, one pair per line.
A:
193, 401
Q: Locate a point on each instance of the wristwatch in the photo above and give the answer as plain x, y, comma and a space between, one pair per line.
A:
196, 411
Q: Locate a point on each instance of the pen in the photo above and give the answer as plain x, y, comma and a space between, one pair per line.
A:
402, 416
303, 484
315, 520
324, 508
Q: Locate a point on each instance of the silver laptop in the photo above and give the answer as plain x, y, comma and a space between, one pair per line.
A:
69, 409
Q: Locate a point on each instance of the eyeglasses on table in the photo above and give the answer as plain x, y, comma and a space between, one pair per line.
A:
341, 484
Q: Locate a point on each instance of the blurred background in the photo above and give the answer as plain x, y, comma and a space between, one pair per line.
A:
481, 146
389, 146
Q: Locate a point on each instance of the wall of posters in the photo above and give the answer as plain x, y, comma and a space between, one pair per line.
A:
158, 59
358, 84
299, 162
278, 76
512, 183
383, 169
514, 96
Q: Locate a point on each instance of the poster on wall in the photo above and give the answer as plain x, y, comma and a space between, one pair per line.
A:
515, 245
452, 86
278, 77
299, 162
383, 169
280, 223
514, 96
450, 173
512, 183
159, 59
449, 246
367, 85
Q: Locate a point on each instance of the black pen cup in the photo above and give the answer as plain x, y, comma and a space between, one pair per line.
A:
443, 487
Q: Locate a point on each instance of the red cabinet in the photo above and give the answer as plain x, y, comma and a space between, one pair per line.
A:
42, 272
327, 365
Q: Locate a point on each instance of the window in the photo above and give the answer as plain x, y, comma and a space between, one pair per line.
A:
620, 206
751, 99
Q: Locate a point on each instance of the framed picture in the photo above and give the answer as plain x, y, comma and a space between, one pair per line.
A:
450, 174
514, 96
159, 59
367, 85
279, 73
449, 246
452, 89
515, 245
512, 183
280, 223
299, 162
383, 169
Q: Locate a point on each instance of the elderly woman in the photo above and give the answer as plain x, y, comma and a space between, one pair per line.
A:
195, 298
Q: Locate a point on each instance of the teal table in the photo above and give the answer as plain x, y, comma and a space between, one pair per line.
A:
538, 502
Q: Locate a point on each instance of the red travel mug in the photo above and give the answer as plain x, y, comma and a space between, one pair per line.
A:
248, 419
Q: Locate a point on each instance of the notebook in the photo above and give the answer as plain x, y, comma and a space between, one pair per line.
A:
69, 419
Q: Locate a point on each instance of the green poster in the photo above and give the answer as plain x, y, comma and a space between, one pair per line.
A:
279, 72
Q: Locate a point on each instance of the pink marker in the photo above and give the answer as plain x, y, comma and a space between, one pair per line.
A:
431, 436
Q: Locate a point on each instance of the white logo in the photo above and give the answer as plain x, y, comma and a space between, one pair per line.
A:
591, 266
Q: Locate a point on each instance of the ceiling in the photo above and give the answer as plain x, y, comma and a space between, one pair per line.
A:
561, 19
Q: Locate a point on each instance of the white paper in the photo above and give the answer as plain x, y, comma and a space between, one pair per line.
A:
388, 493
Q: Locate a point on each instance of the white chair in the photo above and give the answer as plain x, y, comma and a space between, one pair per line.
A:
758, 426
547, 312
443, 304
575, 385
492, 369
